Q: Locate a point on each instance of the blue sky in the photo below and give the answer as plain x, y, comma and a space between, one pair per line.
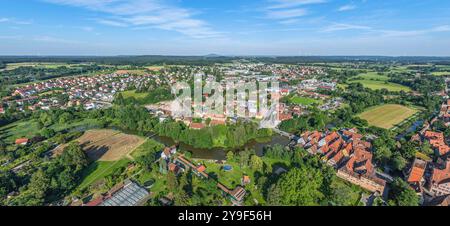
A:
227, 27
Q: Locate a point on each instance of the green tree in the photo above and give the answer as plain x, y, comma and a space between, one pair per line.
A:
256, 163
402, 194
74, 157
230, 156
39, 184
299, 187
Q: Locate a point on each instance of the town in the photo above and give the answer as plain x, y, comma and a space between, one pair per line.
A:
116, 136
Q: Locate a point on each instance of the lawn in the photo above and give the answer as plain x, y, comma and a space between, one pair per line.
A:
441, 73
30, 128
11, 132
304, 100
132, 93
372, 76
375, 81
387, 116
99, 170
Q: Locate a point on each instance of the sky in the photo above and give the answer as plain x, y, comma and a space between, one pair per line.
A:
225, 27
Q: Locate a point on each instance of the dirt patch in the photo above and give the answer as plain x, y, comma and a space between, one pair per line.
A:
107, 145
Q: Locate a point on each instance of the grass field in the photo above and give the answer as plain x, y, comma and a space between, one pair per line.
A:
132, 72
372, 76
377, 85
11, 132
375, 81
13, 66
99, 170
30, 128
387, 116
441, 73
304, 100
132, 93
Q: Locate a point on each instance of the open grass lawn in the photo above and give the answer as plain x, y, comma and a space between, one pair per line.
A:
377, 85
11, 132
441, 73
30, 128
304, 100
387, 116
375, 81
132, 93
99, 170
372, 76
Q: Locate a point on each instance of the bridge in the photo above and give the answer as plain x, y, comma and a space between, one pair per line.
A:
282, 133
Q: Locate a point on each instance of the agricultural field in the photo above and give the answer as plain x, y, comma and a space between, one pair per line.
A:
374, 81
110, 151
441, 73
387, 116
13, 66
155, 68
304, 101
377, 85
108, 145
133, 72
372, 76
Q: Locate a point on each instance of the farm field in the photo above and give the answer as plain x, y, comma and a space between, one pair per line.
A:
377, 85
132, 72
375, 81
441, 73
372, 76
304, 100
12, 66
387, 116
108, 145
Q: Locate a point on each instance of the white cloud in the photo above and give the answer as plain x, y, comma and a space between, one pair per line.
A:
412, 33
51, 39
15, 21
288, 10
343, 27
147, 13
279, 4
286, 14
111, 23
346, 8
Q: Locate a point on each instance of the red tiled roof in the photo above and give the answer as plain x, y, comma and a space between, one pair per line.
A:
95, 202
440, 175
197, 125
172, 167
22, 141
201, 168
417, 171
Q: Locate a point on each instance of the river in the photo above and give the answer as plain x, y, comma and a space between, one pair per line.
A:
220, 153
215, 153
